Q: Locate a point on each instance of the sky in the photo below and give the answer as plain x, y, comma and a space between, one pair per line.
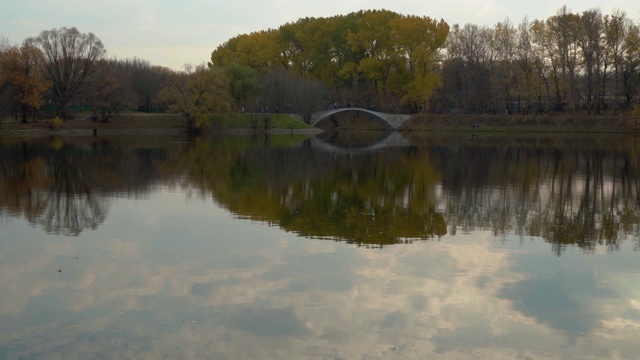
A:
172, 33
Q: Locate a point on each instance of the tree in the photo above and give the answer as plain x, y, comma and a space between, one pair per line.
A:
545, 50
631, 65
379, 66
71, 58
4, 87
373, 58
195, 93
471, 55
276, 89
4, 43
420, 40
530, 65
308, 96
590, 41
144, 80
258, 50
20, 73
244, 84
505, 45
564, 33
111, 93
616, 28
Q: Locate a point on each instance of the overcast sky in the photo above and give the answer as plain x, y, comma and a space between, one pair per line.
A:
174, 32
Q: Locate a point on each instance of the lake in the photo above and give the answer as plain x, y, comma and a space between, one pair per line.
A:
339, 246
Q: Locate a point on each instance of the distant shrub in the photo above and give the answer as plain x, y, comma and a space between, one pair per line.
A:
253, 121
55, 122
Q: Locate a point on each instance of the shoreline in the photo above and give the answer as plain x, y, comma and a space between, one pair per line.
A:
149, 131
544, 123
149, 124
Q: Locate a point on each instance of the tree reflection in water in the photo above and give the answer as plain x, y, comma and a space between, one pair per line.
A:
578, 191
50, 183
71, 204
575, 191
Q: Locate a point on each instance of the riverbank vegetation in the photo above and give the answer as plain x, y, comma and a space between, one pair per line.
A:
142, 122
571, 65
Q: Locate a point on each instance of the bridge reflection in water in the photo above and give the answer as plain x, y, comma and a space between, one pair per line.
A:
388, 139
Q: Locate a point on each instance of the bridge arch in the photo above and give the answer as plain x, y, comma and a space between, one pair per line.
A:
389, 121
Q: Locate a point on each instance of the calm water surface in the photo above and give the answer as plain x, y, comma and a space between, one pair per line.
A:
336, 247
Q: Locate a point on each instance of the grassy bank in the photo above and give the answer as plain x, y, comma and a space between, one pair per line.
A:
520, 123
491, 123
141, 122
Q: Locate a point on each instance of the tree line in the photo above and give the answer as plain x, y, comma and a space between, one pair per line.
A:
584, 62
64, 70
375, 59
570, 62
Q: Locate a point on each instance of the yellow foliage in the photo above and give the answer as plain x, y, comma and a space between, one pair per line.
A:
55, 122
20, 70
196, 94
387, 52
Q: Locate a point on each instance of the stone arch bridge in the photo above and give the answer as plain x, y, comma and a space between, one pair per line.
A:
389, 121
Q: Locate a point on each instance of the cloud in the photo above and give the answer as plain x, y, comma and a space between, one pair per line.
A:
171, 274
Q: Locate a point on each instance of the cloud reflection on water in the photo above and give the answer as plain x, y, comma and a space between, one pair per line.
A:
150, 284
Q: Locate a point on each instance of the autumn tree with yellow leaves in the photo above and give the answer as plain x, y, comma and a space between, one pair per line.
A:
196, 93
375, 58
20, 74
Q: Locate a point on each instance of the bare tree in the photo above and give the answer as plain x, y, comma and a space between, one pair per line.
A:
4, 88
630, 65
590, 41
308, 96
617, 26
471, 57
110, 93
146, 81
71, 58
4, 43
276, 90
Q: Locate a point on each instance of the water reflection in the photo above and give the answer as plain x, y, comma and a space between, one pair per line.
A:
358, 143
53, 189
202, 249
579, 191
